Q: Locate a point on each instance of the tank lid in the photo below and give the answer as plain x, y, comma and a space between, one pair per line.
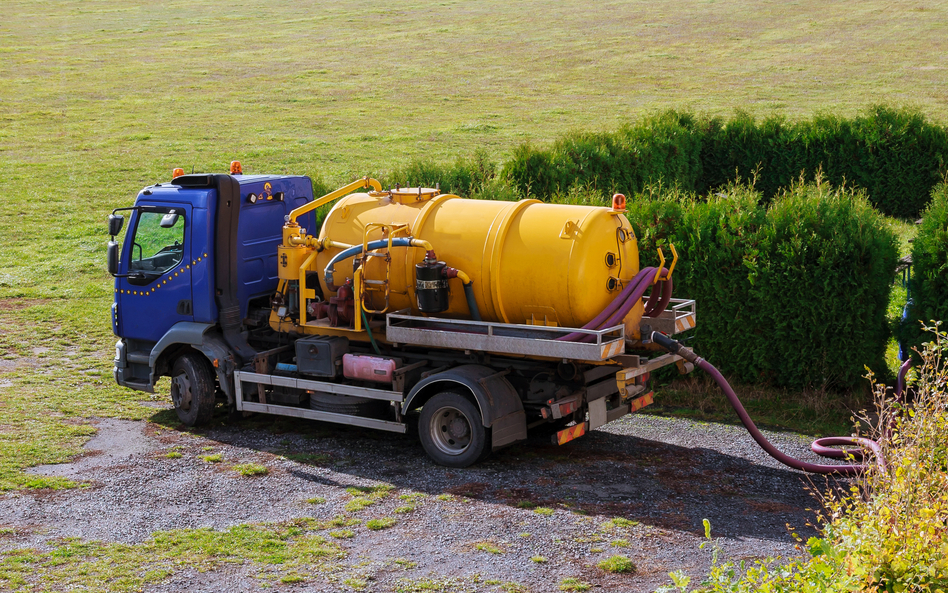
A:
413, 194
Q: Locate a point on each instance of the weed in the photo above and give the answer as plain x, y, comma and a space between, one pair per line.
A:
377, 492
406, 564
620, 543
412, 496
250, 469
539, 559
342, 534
427, 584
115, 566
343, 521
173, 455
543, 511
404, 509
215, 458
445, 497
623, 522
379, 524
316, 500
883, 533
489, 547
292, 578
526, 504
574, 584
358, 504
617, 564
354, 583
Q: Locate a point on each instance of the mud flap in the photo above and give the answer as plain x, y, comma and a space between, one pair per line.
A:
509, 429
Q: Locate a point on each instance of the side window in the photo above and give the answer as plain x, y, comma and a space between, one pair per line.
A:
158, 244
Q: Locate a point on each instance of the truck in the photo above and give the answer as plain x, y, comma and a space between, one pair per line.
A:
477, 321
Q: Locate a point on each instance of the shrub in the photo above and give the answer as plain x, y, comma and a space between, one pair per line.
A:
465, 177
662, 147
894, 154
929, 287
889, 531
793, 294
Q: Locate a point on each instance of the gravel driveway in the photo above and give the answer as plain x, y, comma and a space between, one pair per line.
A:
466, 530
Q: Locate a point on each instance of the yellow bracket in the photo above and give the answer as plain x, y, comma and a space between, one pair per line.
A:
302, 285
658, 271
671, 268
357, 293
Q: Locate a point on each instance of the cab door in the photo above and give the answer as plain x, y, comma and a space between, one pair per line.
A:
155, 292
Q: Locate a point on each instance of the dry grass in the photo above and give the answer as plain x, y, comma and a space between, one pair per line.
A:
810, 411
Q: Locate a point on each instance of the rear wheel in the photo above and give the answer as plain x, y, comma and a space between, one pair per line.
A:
451, 431
192, 389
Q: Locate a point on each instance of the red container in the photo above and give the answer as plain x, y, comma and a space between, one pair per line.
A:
369, 368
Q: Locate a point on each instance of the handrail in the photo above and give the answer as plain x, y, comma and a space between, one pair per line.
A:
333, 195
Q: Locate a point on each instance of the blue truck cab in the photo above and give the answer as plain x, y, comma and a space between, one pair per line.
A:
195, 273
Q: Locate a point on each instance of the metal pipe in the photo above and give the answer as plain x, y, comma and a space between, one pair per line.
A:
468, 290
360, 184
819, 446
471, 302
357, 249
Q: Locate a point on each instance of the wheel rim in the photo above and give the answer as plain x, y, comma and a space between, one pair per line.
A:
450, 431
181, 392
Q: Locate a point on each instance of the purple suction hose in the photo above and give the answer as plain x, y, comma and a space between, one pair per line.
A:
664, 290
616, 303
819, 446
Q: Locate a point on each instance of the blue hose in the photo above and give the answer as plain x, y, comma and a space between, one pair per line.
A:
347, 253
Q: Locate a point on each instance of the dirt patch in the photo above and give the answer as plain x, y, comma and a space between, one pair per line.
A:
114, 442
19, 304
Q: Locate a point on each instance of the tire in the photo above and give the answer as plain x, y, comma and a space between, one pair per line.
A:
451, 431
192, 389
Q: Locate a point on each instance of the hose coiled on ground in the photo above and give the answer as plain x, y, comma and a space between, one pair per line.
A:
820, 446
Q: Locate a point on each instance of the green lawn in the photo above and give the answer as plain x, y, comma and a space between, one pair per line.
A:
102, 97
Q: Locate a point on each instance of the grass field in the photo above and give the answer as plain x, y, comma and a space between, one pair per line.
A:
102, 97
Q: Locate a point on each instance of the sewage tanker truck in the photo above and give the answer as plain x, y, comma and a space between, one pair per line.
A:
480, 320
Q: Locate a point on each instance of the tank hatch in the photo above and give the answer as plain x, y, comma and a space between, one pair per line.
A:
406, 195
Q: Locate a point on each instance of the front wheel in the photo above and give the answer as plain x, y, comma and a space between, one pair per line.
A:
451, 431
192, 389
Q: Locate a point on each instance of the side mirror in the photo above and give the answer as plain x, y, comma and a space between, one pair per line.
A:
168, 220
115, 224
112, 254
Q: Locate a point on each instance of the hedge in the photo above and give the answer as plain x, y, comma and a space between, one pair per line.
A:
792, 294
894, 154
929, 286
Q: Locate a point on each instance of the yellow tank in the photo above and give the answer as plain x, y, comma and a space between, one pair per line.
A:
530, 262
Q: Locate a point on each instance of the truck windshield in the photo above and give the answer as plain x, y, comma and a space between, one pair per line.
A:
158, 244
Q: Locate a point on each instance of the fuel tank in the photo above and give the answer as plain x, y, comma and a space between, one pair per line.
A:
530, 262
